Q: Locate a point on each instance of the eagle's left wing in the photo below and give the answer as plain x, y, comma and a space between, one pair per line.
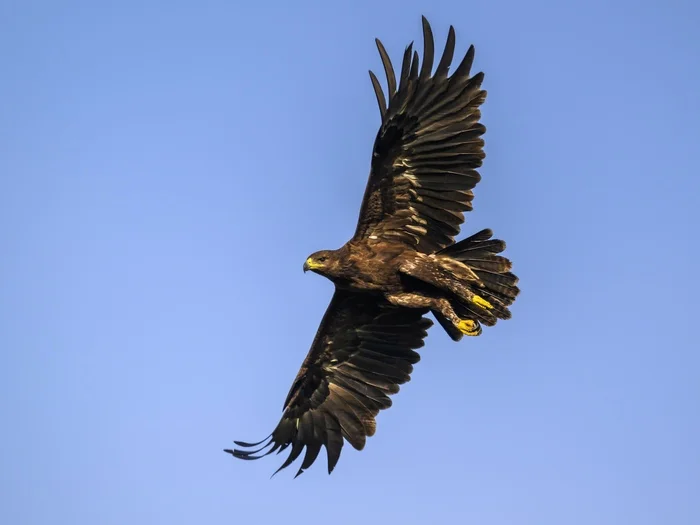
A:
362, 352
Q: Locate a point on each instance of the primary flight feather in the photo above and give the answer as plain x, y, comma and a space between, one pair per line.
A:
401, 263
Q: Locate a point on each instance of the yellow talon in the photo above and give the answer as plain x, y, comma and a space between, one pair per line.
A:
480, 301
468, 327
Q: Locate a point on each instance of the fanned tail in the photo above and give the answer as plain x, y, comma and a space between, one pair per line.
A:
492, 283
480, 253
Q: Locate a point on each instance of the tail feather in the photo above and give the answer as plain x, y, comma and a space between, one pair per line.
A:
503, 285
479, 242
498, 284
475, 279
480, 253
488, 262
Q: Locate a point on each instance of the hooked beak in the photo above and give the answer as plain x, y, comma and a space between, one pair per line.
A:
310, 264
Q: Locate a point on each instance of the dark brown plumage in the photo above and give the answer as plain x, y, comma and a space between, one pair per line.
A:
401, 263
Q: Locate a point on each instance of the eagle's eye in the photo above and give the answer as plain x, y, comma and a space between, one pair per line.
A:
323, 258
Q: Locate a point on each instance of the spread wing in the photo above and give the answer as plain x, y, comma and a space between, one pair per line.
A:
427, 150
362, 352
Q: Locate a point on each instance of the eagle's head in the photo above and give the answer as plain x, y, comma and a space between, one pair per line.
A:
325, 262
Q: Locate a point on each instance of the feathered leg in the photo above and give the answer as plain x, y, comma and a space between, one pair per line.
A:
441, 308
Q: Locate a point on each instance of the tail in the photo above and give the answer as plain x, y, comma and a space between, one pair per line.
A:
496, 284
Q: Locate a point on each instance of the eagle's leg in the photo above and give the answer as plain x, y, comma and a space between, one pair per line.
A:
441, 305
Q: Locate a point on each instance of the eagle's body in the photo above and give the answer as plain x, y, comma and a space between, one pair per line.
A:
409, 278
402, 261
364, 266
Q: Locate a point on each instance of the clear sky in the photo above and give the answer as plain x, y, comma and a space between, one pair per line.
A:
165, 169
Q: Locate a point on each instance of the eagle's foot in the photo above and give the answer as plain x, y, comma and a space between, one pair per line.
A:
469, 327
480, 301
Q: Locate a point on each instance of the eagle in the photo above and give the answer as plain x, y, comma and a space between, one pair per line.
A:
401, 263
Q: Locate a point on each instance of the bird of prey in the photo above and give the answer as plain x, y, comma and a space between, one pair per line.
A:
402, 262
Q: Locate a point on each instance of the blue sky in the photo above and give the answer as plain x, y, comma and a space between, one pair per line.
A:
167, 167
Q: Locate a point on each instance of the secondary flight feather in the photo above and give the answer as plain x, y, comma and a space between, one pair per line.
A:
402, 262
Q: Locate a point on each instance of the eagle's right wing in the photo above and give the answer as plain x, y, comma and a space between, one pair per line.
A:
362, 352
427, 150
